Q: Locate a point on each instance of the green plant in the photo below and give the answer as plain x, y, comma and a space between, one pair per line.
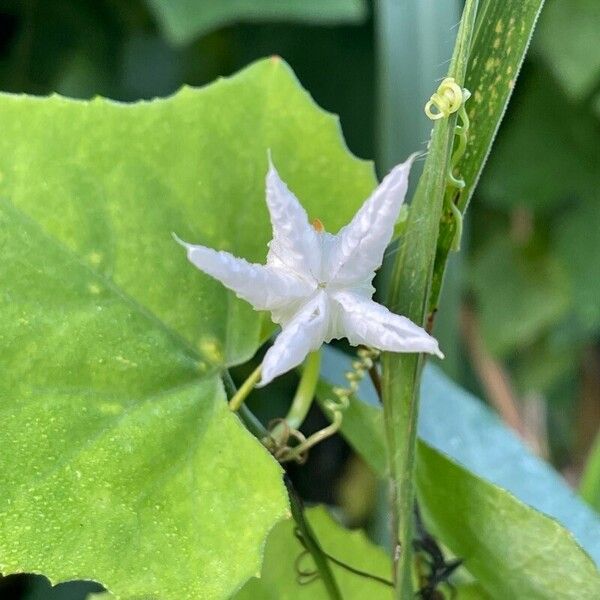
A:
123, 462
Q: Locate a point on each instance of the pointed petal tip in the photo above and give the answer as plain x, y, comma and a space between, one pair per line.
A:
265, 379
412, 158
399, 174
262, 383
435, 348
408, 163
270, 163
179, 240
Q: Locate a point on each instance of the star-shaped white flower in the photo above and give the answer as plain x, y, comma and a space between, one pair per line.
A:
316, 285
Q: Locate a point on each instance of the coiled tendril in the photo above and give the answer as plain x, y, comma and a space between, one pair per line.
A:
335, 406
447, 99
305, 576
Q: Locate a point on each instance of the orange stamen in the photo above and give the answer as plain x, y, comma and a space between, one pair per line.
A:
318, 225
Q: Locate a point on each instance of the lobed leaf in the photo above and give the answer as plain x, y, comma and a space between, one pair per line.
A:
115, 442
121, 460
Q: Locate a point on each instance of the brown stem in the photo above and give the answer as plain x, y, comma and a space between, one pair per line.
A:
492, 375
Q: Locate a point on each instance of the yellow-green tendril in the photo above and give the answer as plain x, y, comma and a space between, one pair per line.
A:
334, 406
447, 99
455, 183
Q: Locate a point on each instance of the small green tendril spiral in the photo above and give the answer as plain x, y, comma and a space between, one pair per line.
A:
335, 407
448, 99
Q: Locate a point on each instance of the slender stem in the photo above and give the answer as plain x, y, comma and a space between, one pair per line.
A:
230, 387
245, 389
376, 380
401, 411
253, 425
409, 294
311, 543
304, 396
315, 438
358, 572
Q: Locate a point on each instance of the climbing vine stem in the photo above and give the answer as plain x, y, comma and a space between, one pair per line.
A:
310, 541
410, 294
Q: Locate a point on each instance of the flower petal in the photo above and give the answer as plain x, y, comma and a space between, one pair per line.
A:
295, 242
304, 333
366, 322
266, 288
361, 244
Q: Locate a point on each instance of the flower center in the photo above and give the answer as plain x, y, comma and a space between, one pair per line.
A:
322, 285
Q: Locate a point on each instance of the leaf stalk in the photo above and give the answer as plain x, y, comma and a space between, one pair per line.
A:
240, 396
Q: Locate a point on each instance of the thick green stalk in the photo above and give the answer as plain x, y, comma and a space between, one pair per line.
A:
414, 40
409, 295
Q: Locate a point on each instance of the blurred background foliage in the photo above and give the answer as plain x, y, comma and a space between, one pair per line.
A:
520, 320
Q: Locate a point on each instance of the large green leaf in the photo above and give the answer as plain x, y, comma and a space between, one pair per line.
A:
114, 443
183, 20
514, 552
459, 427
119, 456
568, 40
472, 435
279, 577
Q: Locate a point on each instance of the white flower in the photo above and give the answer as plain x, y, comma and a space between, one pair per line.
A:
316, 285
